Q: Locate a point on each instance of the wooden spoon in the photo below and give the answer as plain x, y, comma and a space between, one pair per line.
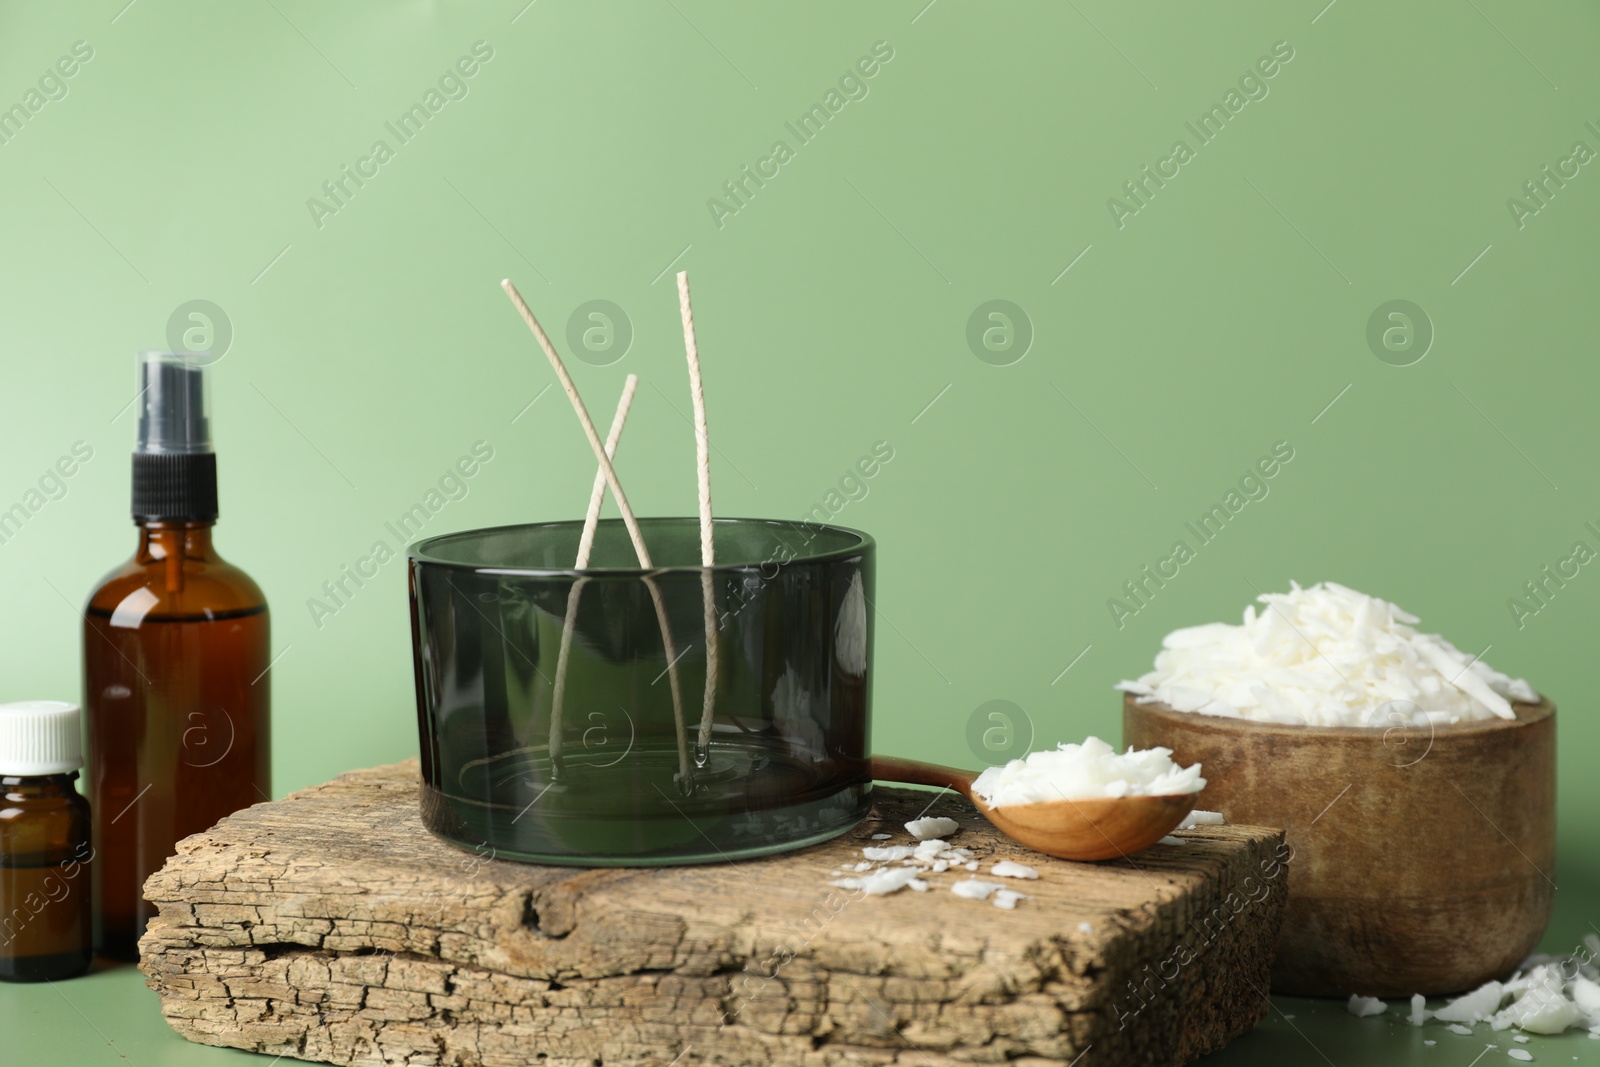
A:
1100, 828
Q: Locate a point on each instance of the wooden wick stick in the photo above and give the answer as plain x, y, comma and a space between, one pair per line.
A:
591, 521
670, 650
632, 524
708, 551
588, 424
591, 518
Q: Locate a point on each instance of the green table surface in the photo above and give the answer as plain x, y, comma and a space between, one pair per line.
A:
109, 1017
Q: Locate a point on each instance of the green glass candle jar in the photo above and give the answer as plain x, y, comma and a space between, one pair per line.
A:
565, 716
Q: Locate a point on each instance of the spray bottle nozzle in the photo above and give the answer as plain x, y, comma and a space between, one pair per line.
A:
174, 405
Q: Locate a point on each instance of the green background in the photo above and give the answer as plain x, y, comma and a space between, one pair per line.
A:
1228, 314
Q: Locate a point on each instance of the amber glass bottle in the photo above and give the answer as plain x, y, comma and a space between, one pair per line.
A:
176, 653
44, 844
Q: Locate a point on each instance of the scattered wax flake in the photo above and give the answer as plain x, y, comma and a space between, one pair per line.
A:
1008, 869
1473, 1007
1520, 1054
882, 882
1429, 1041
889, 853
1519, 1038
1170, 840
972, 866
1457, 1028
932, 826
1586, 994
864, 865
1201, 818
1419, 1013
929, 850
1542, 1007
940, 866
1538, 1013
1085, 928
881, 837
973, 889
1365, 1006
1007, 898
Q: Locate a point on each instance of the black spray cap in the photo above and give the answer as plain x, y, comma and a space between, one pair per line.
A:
174, 468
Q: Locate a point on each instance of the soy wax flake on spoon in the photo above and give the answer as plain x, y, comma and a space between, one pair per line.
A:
1088, 771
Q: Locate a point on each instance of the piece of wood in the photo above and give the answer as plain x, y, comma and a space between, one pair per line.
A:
1423, 856
331, 926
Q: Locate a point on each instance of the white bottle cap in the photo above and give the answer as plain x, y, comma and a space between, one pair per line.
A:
39, 737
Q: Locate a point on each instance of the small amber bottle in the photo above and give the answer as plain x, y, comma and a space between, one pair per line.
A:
175, 661
45, 920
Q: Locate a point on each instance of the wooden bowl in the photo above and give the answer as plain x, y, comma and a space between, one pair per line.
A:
1423, 856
